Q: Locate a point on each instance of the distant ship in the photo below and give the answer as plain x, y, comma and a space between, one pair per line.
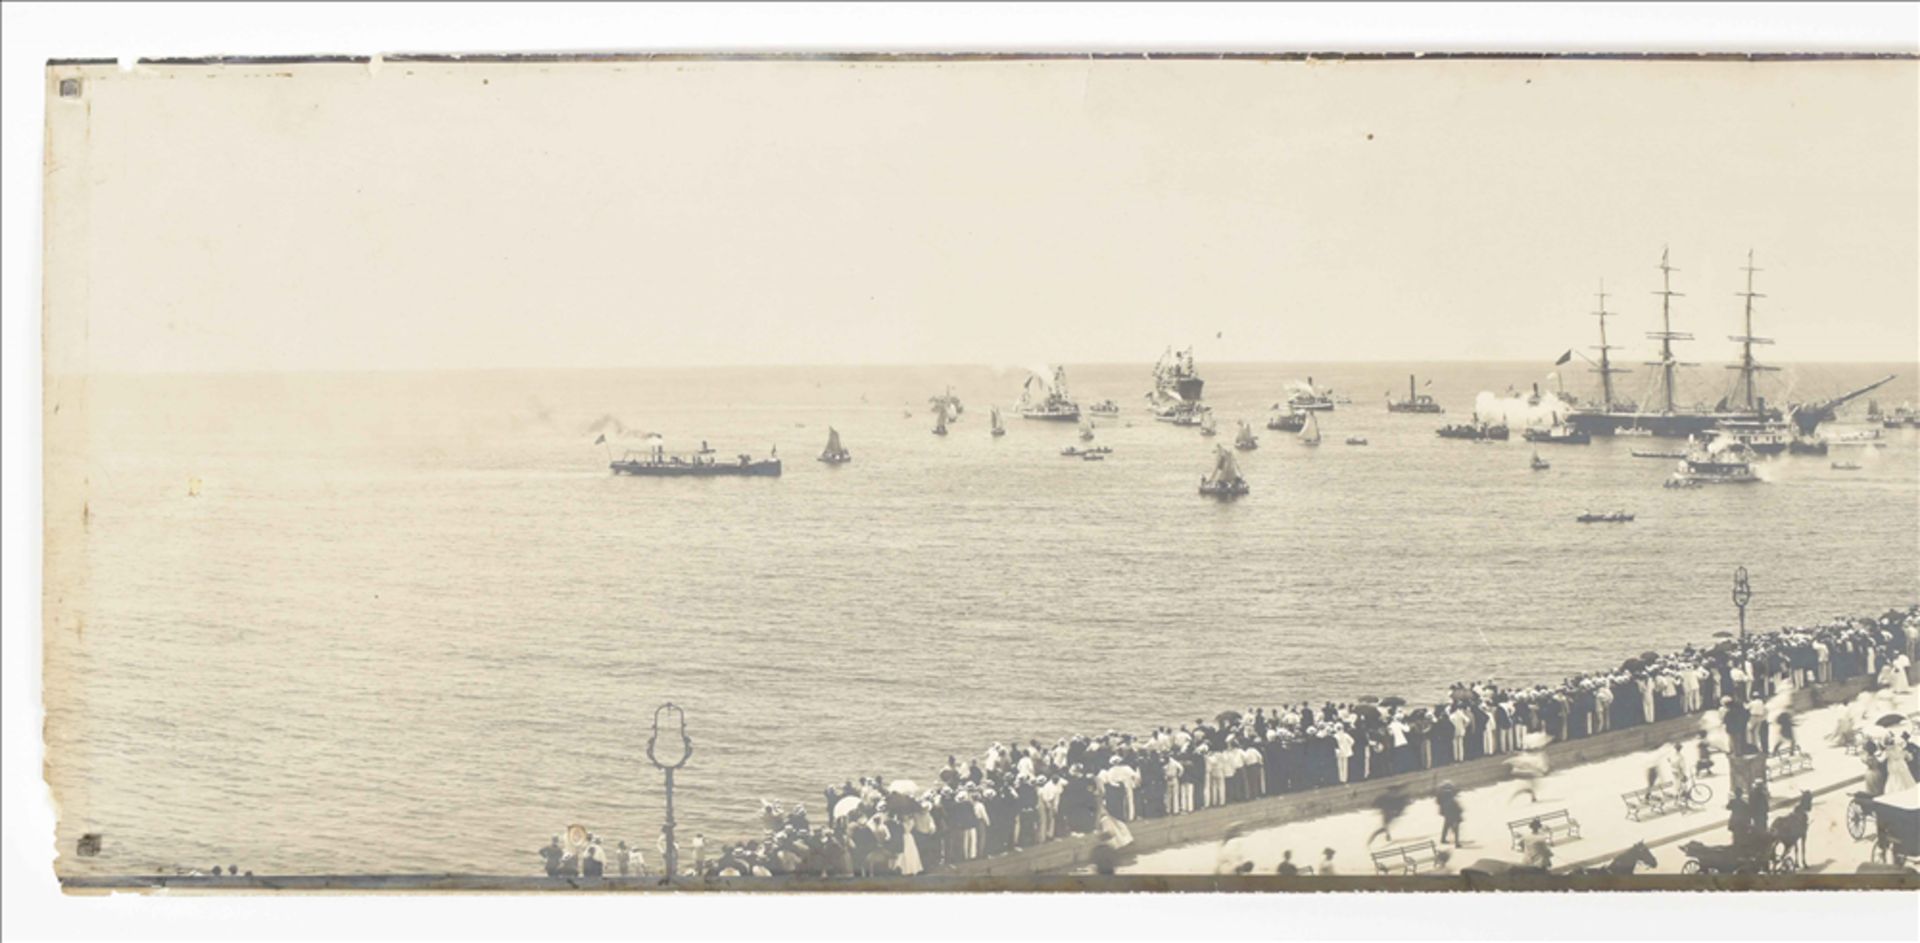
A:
1479, 432
1225, 481
1664, 415
1105, 407
656, 463
1049, 401
1764, 437
1416, 401
1611, 517
1846, 466
1556, 435
946, 404
1306, 397
834, 453
1292, 420
1175, 396
1721, 464
1245, 440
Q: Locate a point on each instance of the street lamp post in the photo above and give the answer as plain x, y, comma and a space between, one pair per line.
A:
667, 766
1741, 594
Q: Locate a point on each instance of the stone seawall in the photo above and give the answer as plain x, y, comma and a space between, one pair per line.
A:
1211, 824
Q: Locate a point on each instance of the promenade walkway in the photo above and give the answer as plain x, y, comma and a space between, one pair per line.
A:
1591, 793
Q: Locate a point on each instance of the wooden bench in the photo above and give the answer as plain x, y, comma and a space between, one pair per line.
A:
1555, 825
1662, 799
1789, 763
1406, 859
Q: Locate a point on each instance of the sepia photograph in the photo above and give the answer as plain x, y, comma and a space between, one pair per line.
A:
732, 473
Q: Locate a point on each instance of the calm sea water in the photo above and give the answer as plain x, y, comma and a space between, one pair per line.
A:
410, 623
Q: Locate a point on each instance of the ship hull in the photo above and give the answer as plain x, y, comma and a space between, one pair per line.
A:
767, 469
1060, 416
1663, 425
1430, 408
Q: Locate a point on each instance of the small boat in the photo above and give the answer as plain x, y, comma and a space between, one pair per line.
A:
998, 429
835, 454
1105, 407
1540, 464
1225, 481
1846, 466
1634, 431
1207, 427
1356, 440
1556, 435
1072, 451
1292, 420
1092, 456
1086, 432
1245, 440
907, 413
1476, 432
1637, 453
940, 423
1611, 517
1311, 434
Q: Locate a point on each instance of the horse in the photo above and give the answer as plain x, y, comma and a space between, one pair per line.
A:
1625, 863
1789, 832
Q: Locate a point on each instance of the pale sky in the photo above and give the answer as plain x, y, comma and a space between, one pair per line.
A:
682, 213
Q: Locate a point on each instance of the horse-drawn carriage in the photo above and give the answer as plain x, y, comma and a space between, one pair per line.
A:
1780, 849
1893, 822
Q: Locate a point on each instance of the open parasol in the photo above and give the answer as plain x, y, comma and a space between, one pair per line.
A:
846, 807
1723, 633
1891, 720
903, 787
1368, 699
1227, 718
1649, 657
1393, 701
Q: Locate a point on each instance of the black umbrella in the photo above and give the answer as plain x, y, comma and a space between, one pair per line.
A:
1393, 701
1227, 718
1723, 634
1631, 664
1649, 657
1891, 720
1369, 699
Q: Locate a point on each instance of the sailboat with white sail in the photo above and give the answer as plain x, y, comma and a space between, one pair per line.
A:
1245, 440
1207, 428
998, 429
940, 423
835, 453
1225, 481
1310, 434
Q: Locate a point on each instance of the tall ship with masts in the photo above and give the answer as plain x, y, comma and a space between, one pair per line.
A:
1041, 399
1663, 413
1175, 396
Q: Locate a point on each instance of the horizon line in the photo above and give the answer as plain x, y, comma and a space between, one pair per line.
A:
519, 368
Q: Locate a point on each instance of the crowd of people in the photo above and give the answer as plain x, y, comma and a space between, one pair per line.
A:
1017, 795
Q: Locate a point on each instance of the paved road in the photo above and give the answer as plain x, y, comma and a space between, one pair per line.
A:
1591, 793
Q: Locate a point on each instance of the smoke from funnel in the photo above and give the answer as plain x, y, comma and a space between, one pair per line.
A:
1520, 411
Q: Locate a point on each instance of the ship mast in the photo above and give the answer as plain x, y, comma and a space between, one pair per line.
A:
1667, 335
1606, 368
1747, 366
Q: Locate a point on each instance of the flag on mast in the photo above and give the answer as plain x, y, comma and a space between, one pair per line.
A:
1564, 357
